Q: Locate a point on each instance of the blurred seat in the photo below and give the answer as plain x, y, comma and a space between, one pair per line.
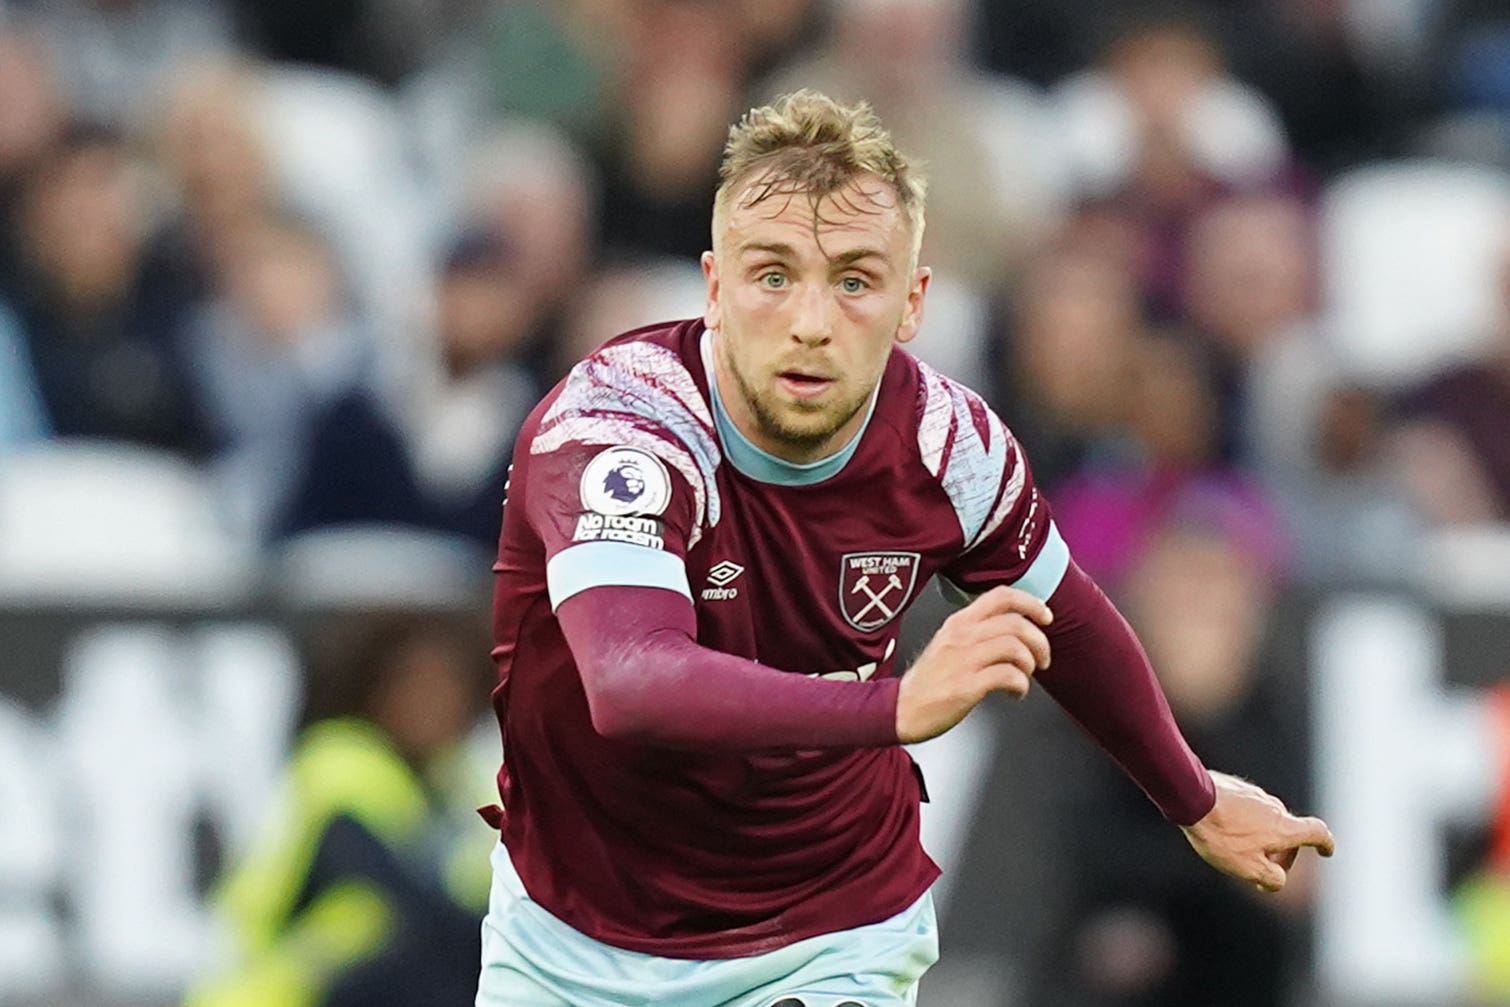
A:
1411, 258
1468, 567
380, 565
96, 522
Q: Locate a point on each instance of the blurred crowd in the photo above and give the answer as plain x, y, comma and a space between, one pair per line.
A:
330, 253
1236, 273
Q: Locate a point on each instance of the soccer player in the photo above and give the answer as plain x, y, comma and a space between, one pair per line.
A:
712, 530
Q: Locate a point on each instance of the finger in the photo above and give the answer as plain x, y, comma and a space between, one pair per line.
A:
1008, 650
1028, 632
1313, 832
1270, 876
1038, 642
1002, 600
1007, 678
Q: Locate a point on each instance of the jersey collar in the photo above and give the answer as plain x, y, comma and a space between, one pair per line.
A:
761, 465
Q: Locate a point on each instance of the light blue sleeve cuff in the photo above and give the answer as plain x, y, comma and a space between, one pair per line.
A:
1041, 580
612, 564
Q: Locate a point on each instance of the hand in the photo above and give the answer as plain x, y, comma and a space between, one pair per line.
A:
994, 643
1250, 835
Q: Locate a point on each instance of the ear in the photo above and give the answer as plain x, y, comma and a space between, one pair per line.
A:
711, 314
912, 314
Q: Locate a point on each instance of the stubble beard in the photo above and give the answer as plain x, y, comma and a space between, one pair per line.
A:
804, 429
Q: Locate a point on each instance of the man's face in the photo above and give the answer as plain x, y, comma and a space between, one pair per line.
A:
807, 303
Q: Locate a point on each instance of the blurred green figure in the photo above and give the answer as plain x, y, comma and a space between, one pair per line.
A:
1481, 901
369, 883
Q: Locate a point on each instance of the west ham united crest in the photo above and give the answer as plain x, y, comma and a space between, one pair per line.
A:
874, 586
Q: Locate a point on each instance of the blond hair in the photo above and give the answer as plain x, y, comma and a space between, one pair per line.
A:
806, 142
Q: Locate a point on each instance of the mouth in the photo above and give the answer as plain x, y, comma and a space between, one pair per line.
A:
802, 384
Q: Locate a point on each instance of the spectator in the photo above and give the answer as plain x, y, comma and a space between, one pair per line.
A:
535, 193
1066, 372
363, 891
1249, 291
241, 140
279, 344
101, 329
209, 146
431, 448
1343, 500
1454, 451
340, 157
1111, 506
1146, 926
1288, 412
1157, 130
33, 118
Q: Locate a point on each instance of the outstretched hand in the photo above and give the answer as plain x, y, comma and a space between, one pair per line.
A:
1250, 835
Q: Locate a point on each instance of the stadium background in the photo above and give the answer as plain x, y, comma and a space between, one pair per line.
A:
278, 279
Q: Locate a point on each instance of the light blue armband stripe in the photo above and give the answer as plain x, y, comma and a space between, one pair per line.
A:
612, 564
1041, 580
1048, 569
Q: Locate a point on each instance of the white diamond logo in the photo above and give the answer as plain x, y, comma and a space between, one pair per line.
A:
725, 572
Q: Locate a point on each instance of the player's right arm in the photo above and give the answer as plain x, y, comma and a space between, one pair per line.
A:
616, 521
647, 679
625, 610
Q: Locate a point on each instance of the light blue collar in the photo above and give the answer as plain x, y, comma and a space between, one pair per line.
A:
760, 464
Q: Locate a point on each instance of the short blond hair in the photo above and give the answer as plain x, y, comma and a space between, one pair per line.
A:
806, 142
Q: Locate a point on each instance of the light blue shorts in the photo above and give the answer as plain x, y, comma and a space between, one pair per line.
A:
532, 959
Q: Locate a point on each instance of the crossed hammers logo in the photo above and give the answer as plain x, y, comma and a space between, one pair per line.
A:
863, 584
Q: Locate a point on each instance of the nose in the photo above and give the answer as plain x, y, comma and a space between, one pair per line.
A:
812, 320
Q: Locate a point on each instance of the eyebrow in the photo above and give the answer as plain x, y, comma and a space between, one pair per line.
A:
854, 255
779, 248
775, 248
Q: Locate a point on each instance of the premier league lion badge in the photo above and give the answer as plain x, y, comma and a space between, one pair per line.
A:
623, 481
874, 586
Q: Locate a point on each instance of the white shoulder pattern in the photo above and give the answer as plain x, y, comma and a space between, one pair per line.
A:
640, 395
970, 452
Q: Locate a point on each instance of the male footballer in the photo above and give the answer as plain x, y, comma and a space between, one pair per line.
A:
712, 530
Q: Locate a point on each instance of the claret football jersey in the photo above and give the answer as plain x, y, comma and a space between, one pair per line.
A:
629, 473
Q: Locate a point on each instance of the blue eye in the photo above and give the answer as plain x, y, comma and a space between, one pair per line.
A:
852, 284
774, 280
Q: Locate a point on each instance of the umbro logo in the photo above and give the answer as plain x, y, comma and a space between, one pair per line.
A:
720, 577
723, 573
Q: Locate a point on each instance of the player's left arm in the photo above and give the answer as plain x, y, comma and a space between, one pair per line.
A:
1100, 675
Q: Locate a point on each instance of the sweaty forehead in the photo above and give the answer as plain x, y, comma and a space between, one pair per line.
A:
865, 210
